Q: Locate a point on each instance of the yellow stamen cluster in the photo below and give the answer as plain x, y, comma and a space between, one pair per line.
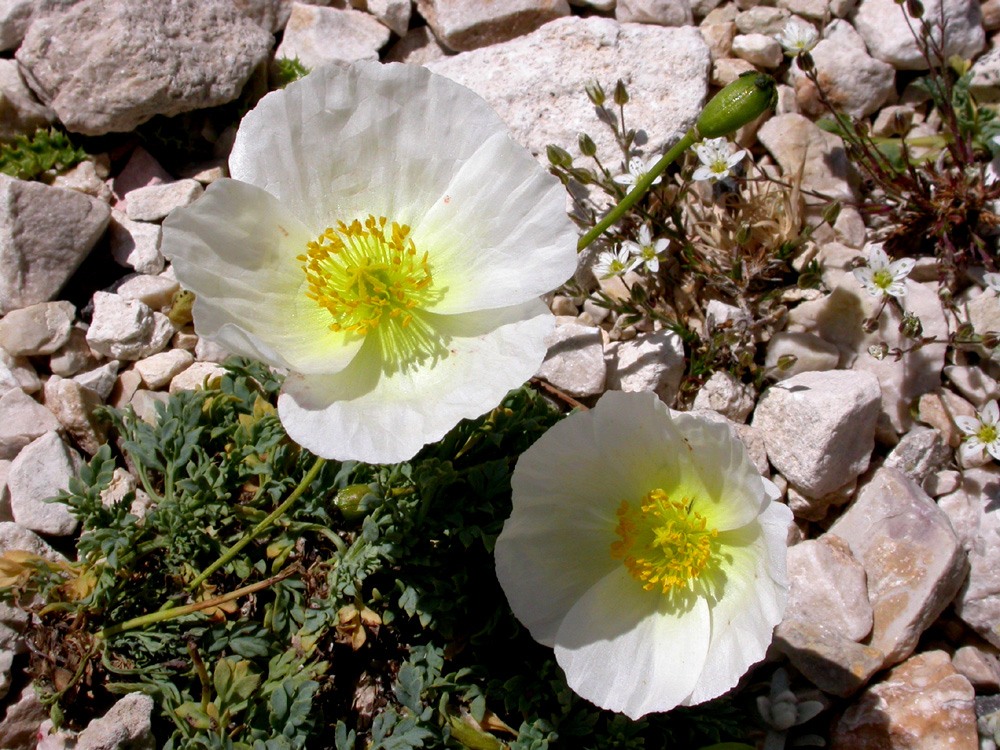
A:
362, 274
663, 542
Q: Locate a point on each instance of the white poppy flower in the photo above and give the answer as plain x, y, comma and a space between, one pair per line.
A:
882, 278
645, 548
797, 38
637, 169
615, 262
982, 432
716, 161
645, 251
385, 241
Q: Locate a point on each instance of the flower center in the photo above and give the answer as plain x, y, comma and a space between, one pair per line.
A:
364, 275
987, 434
663, 542
883, 278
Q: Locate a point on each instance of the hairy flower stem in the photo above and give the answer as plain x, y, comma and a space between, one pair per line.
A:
260, 527
641, 186
168, 614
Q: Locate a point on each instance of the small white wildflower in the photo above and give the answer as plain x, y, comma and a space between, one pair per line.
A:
797, 38
992, 281
982, 431
716, 162
615, 262
992, 172
882, 278
637, 169
646, 251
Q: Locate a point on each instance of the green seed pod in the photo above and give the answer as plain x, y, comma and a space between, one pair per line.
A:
621, 93
742, 101
558, 157
587, 145
595, 93
350, 501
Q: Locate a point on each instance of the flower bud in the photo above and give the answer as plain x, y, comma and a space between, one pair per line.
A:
587, 145
910, 326
879, 351
558, 157
621, 93
595, 93
869, 325
991, 339
742, 101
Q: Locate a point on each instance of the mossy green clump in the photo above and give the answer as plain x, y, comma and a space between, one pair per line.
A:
29, 157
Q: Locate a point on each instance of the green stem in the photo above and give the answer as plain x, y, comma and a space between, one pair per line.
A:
260, 527
640, 189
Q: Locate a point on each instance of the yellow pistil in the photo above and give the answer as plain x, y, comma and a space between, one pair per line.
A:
364, 275
663, 543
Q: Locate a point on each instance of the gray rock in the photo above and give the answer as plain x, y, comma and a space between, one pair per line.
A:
575, 360
22, 420
157, 371
834, 664
726, 395
986, 76
101, 380
920, 452
816, 508
911, 555
39, 472
800, 147
19, 728
38, 329
17, 15
73, 356
819, 428
536, 83
923, 704
883, 26
811, 353
980, 668
762, 19
84, 178
393, 13
8, 380
136, 244
418, 47
759, 49
856, 83
74, 407
20, 112
941, 483
974, 384
978, 603
126, 329
154, 202
939, 409
166, 58
464, 26
661, 12
126, 726
45, 233
141, 170
6, 666
317, 36
828, 588
650, 362
23, 371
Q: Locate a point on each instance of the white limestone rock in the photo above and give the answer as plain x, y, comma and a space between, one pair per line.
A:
920, 452
45, 233
16, 17
811, 353
20, 112
37, 329
800, 147
25, 714
759, 49
463, 26
575, 360
156, 292
205, 52
84, 178
101, 380
661, 12
126, 329
911, 555
136, 244
833, 663
22, 370
154, 202
318, 36
40, 470
536, 82
762, 19
980, 668
22, 420
157, 371
819, 428
974, 384
418, 47
125, 725
650, 362
74, 407
726, 395
883, 26
393, 13
193, 378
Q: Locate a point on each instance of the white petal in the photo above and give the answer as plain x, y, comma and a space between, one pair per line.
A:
990, 413
724, 483
703, 173
366, 138
753, 602
235, 248
367, 413
994, 449
900, 268
968, 425
877, 259
623, 653
499, 235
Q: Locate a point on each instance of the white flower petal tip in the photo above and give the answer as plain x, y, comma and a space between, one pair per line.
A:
384, 240
645, 548
797, 38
